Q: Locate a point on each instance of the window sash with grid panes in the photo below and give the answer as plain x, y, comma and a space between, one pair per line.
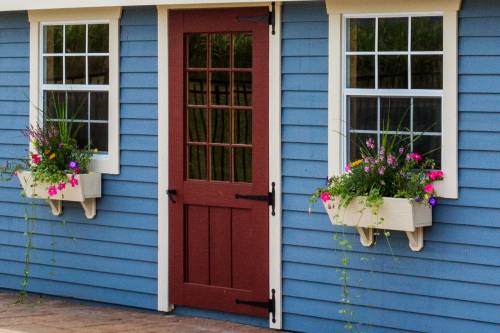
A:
393, 81
75, 79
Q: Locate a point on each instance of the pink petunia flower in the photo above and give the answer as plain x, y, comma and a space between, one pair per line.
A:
73, 181
416, 157
51, 191
347, 168
61, 186
429, 188
35, 158
435, 175
325, 197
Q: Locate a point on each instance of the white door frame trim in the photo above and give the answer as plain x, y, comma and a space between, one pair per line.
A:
275, 281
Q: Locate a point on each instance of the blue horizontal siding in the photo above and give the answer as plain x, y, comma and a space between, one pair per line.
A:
453, 285
114, 257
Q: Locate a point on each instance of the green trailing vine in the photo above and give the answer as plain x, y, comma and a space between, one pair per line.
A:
392, 170
54, 159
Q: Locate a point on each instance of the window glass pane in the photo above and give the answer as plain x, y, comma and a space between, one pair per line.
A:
54, 105
395, 114
197, 88
355, 142
82, 135
243, 126
393, 72
362, 113
75, 70
197, 162
197, 125
219, 126
99, 70
53, 70
427, 115
243, 165
242, 88
393, 34
361, 71
427, 72
99, 137
429, 147
98, 38
221, 169
75, 38
78, 105
220, 46
219, 88
99, 105
197, 50
242, 50
361, 34
53, 39
397, 141
427, 33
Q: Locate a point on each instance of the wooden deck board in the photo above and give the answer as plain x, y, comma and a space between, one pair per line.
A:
53, 315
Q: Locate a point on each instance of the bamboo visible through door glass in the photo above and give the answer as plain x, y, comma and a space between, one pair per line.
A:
219, 106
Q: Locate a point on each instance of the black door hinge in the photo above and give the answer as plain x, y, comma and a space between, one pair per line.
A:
270, 305
269, 19
270, 198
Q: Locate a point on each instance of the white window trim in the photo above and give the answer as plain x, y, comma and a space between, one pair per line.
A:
275, 243
337, 11
109, 163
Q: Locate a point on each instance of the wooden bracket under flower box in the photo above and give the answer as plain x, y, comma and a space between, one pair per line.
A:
85, 192
395, 214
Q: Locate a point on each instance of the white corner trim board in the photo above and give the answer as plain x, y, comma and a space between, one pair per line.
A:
275, 273
163, 144
109, 163
337, 10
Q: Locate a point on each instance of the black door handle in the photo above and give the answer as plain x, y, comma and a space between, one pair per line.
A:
172, 194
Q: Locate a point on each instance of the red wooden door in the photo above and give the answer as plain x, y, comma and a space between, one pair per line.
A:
218, 111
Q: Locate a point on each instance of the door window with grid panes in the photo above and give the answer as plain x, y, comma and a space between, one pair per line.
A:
219, 106
75, 80
393, 81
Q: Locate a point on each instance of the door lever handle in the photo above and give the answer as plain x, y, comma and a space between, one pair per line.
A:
172, 194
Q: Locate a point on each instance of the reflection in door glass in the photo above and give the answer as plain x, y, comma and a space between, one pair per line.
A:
219, 88
243, 126
242, 44
197, 88
242, 89
197, 50
221, 170
243, 165
219, 126
219, 49
219, 106
197, 125
197, 162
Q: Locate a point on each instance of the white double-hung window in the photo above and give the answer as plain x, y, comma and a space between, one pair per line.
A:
392, 72
75, 77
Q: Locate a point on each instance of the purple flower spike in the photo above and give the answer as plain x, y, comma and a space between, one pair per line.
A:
433, 201
73, 165
417, 199
370, 143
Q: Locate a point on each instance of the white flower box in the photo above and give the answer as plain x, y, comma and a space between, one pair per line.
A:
86, 192
395, 214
